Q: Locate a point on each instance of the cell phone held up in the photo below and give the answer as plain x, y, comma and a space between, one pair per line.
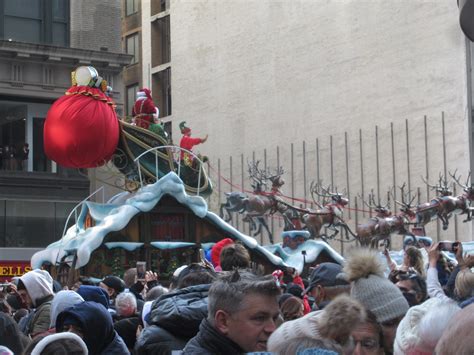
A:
448, 246
141, 270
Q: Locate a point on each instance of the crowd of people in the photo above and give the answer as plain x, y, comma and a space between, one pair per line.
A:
366, 306
14, 157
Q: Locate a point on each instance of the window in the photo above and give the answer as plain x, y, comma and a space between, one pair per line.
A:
131, 7
161, 89
35, 21
40, 160
33, 224
12, 135
131, 95
133, 47
160, 41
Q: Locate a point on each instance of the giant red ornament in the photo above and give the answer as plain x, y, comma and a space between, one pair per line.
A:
81, 128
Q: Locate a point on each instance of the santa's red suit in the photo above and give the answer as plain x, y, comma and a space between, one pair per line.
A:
144, 110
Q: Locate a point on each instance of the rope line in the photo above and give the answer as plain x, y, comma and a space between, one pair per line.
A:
240, 188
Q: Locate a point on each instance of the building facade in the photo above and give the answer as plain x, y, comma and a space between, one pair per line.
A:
364, 96
146, 36
41, 43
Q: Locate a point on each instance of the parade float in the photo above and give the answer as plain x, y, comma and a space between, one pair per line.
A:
162, 217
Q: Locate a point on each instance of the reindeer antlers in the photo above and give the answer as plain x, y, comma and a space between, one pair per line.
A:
467, 185
442, 186
261, 176
373, 205
405, 197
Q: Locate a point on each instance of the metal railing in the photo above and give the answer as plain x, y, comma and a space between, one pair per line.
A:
174, 149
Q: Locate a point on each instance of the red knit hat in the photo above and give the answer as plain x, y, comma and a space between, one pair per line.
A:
216, 250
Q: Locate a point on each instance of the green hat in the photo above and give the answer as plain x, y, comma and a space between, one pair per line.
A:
184, 129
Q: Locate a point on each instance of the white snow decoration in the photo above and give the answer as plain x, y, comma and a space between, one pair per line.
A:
130, 246
171, 245
294, 258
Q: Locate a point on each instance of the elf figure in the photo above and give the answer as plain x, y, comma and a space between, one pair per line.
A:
144, 110
187, 142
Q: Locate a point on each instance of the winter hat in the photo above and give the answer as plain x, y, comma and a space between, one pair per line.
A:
457, 337
295, 290
61, 343
38, 283
145, 311
144, 93
327, 275
5, 351
216, 250
63, 300
423, 325
370, 287
94, 321
335, 323
95, 294
114, 282
177, 272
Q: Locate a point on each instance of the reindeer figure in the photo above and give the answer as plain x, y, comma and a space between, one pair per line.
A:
261, 203
464, 201
382, 226
365, 232
329, 215
440, 207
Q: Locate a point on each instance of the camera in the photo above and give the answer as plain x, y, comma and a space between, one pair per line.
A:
141, 270
448, 246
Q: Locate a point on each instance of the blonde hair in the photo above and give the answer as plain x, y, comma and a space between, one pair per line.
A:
464, 285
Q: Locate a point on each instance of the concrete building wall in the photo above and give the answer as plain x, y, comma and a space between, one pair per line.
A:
255, 75
96, 24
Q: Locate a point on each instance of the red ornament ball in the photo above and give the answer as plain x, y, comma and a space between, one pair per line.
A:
81, 129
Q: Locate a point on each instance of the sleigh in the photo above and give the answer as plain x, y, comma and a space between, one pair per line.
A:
144, 157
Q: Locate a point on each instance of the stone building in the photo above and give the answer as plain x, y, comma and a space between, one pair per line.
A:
41, 42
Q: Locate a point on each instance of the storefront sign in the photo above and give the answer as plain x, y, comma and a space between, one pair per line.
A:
9, 269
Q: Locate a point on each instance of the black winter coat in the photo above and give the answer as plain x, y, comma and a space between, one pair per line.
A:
174, 319
210, 342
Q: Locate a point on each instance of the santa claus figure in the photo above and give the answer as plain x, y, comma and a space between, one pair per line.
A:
144, 110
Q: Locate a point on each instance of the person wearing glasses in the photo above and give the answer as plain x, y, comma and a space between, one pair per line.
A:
413, 287
369, 286
368, 337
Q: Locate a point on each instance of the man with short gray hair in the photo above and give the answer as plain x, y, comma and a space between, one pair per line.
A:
126, 304
243, 310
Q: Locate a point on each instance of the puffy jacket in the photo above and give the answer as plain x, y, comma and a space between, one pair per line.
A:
209, 341
40, 320
116, 346
174, 319
156, 340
